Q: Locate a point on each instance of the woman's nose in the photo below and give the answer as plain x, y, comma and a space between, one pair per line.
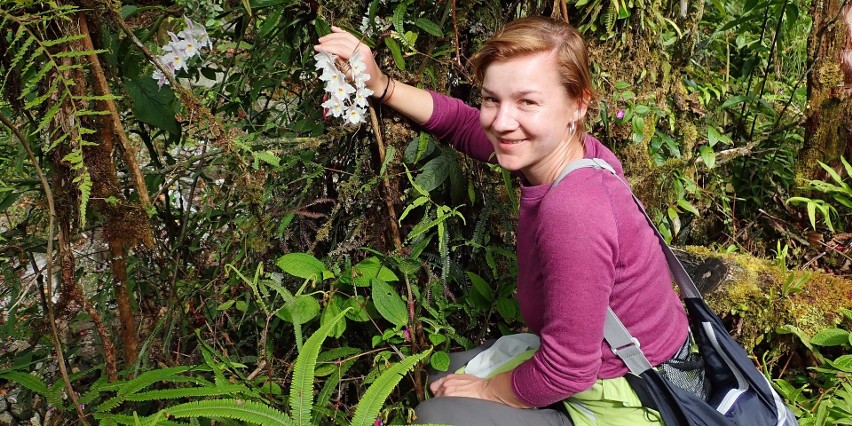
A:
504, 120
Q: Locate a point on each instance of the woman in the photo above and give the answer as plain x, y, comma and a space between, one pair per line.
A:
582, 245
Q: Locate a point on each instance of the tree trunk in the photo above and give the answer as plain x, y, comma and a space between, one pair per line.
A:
828, 129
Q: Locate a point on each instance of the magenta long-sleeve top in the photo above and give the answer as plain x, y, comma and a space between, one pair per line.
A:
582, 246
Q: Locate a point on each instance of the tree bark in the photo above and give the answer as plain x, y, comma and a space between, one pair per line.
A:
828, 129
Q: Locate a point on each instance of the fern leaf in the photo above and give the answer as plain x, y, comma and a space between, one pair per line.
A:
33, 82
48, 116
302, 385
58, 141
162, 394
105, 419
38, 100
144, 380
398, 14
331, 382
77, 53
34, 384
374, 398
247, 411
32, 62
63, 40
87, 112
95, 98
22, 49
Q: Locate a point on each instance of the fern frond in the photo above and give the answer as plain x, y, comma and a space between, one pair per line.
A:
48, 116
39, 100
247, 411
33, 82
62, 40
125, 419
302, 385
162, 394
331, 382
141, 382
375, 396
95, 98
34, 384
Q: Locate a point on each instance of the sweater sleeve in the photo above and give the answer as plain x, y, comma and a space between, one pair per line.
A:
577, 251
457, 123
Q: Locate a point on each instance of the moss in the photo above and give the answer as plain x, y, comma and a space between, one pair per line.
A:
752, 298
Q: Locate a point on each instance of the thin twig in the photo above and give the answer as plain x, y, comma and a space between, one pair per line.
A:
397, 240
48, 294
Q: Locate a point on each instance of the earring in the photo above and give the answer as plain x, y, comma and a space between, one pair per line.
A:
573, 127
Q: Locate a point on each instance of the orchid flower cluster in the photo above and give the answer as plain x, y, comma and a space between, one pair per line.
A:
183, 46
344, 99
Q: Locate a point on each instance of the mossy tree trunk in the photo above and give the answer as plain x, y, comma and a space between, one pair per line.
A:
828, 129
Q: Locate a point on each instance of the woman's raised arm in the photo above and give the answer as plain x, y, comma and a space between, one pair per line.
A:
410, 101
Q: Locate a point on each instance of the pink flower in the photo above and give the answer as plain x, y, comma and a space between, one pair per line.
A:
378, 422
620, 114
407, 334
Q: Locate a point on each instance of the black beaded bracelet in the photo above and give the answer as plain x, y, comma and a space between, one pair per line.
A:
381, 98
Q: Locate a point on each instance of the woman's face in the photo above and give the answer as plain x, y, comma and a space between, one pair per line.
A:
527, 114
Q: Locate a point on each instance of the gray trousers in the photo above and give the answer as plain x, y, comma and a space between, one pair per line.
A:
448, 410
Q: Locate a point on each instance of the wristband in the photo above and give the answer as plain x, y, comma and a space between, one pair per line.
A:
382, 98
391, 92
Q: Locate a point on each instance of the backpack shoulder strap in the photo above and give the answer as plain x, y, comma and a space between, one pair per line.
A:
624, 345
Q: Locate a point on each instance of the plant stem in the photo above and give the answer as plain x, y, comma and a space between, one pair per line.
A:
394, 227
48, 294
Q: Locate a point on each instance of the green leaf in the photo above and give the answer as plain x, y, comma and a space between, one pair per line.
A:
508, 308
842, 363
707, 156
389, 303
480, 292
331, 312
686, 205
434, 173
302, 384
370, 268
374, 398
440, 361
8, 200
736, 100
226, 305
831, 337
153, 105
302, 265
713, 136
267, 157
247, 411
395, 52
356, 307
429, 26
303, 309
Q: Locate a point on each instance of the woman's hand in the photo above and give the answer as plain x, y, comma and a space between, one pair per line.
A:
344, 45
462, 385
497, 388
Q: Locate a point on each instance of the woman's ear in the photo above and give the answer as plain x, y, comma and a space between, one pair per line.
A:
582, 107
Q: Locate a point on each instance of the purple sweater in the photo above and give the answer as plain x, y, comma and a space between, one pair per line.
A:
582, 246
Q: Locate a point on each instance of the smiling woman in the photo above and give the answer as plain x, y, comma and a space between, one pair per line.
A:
583, 245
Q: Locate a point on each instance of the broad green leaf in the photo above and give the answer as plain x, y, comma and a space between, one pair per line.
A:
302, 265
329, 314
686, 205
733, 101
434, 173
429, 26
707, 156
395, 53
713, 135
831, 337
440, 360
843, 363
480, 292
388, 302
508, 308
226, 305
303, 309
370, 268
153, 105
357, 307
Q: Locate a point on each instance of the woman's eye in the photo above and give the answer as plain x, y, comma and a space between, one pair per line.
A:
489, 100
527, 102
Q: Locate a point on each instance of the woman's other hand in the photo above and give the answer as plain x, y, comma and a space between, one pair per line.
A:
497, 388
344, 45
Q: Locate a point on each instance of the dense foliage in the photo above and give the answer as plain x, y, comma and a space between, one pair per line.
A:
221, 247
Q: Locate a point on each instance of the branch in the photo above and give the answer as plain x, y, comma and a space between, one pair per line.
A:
47, 295
126, 148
